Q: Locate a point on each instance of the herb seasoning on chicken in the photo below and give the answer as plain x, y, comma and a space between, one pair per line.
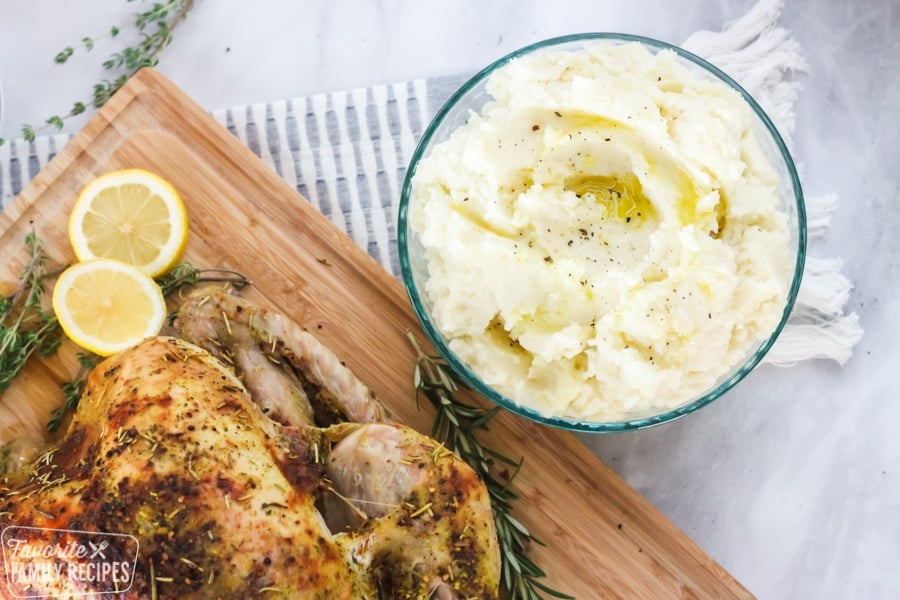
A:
168, 445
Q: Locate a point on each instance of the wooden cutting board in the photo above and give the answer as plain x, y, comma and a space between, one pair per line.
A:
603, 540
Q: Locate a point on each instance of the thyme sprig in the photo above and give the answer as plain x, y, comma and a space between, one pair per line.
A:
186, 274
154, 26
26, 327
455, 425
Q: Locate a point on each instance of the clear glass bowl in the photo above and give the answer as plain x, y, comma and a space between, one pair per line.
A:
472, 96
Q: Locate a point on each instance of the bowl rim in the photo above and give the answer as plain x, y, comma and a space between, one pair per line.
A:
578, 425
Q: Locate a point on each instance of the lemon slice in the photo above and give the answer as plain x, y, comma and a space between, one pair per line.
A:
106, 306
133, 216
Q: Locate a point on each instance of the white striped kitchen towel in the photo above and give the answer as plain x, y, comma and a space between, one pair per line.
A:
346, 152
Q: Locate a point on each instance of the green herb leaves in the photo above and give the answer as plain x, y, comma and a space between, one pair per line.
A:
187, 274
455, 425
26, 326
123, 64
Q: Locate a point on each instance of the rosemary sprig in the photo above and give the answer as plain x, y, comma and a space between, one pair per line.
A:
165, 16
455, 425
26, 326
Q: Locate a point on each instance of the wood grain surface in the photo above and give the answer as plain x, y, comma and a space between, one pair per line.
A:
603, 540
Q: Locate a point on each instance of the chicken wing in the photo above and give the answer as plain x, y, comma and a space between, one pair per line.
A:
249, 336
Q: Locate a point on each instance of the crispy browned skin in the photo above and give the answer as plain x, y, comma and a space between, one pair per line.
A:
168, 446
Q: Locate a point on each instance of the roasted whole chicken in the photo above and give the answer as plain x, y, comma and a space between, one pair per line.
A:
247, 462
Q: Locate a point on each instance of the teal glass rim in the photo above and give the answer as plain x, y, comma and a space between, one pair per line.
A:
466, 373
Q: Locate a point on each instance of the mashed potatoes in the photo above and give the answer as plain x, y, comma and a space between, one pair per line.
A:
604, 240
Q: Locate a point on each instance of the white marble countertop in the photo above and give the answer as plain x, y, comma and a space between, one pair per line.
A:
792, 480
